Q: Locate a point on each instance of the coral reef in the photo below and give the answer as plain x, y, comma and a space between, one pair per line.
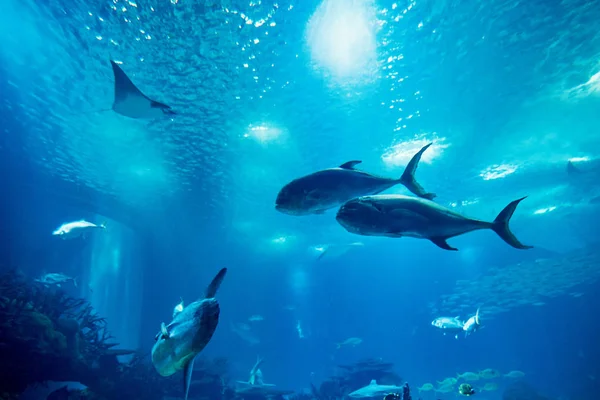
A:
46, 335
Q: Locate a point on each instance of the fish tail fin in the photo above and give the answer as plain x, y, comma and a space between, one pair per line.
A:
500, 225
477, 316
75, 282
338, 346
408, 176
103, 225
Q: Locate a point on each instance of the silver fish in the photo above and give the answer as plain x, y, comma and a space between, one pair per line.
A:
398, 216
72, 230
329, 188
472, 324
448, 323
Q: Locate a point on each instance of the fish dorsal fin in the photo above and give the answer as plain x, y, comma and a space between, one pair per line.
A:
373, 382
211, 290
187, 377
350, 164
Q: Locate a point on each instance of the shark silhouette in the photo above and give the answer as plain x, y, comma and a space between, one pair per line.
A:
374, 390
178, 343
131, 102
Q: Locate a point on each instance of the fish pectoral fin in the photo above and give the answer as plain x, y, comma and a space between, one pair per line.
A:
441, 243
350, 164
187, 377
163, 331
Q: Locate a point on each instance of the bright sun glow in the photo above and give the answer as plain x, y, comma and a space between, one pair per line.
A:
342, 37
400, 154
262, 133
497, 171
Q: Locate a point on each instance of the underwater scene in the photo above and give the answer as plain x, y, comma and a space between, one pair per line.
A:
299, 199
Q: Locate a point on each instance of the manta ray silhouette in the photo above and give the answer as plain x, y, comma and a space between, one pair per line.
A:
131, 102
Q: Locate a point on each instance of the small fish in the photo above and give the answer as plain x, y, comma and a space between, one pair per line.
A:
353, 341
330, 188
448, 323
256, 318
178, 308
72, 230
489, 373
468, 376
392, 215
426, 387
472, 324
447, 382
56, 279
445, 389
514, 374
490, 386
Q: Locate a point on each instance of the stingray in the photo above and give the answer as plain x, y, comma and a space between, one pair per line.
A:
131, 102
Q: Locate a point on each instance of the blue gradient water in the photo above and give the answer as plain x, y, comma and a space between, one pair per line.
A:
265, 92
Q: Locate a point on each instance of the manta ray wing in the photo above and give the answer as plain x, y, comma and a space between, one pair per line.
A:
131, 102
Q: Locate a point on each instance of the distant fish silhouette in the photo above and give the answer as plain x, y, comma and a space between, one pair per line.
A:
131, 102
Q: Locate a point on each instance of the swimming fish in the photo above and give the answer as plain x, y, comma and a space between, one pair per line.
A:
472, 324
468, 376
489, 373
426, 387
447, 323
514, 374
72, 230
179, 342
374, 390
329, 188
353, 341
131, 102
397, 216
56, 279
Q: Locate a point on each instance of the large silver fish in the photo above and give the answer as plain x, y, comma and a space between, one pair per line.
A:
178, 343
329, 188
398, 216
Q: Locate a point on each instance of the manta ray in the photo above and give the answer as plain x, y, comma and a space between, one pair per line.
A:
178, 343
131, 102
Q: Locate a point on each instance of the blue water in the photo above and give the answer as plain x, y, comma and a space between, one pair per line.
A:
265, 92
